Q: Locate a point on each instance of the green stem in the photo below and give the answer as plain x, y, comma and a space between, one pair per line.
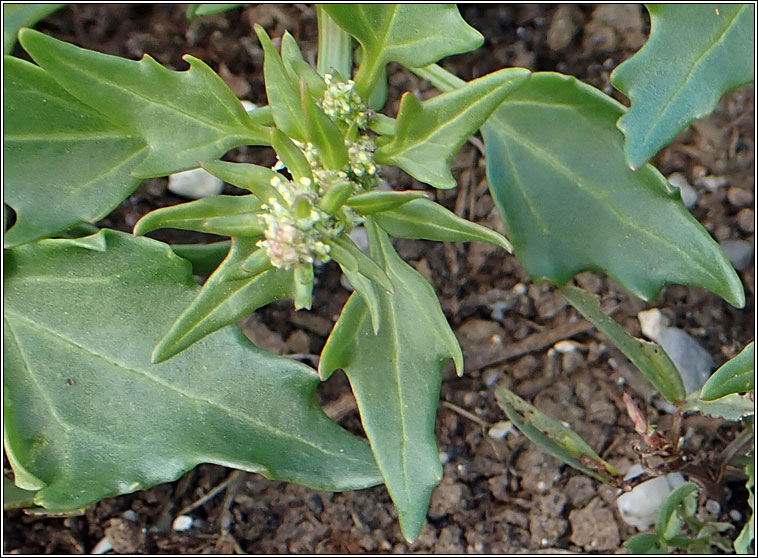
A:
439, 77
334, 47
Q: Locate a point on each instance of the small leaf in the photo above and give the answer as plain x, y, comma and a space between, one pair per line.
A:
16, 16
88, 415
336, 196
647, 543
47, 134
649, 358
746, 537
677, 505
183, 117
205, 258
412, 34
197, 10
428, 134
227, 296
565, 213
15, 497
368, 203
290, 155
554, 438
298, 68
282, 90
324, 134
694, 54
396, 378
735, 376
222, 215
730, 407
254, 178
366, 264
422, 218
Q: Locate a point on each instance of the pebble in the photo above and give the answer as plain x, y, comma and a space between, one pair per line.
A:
746, 220
735, 515
130, 515
564, 347
563, 27
195, 184
713, 507
712, 183
688, 193
651, 322
182, 523
491, 376
500, 429
694, 363
739, 197
639, 507
103, 546
738, 252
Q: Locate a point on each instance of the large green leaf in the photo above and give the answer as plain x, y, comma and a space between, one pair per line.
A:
649, 358
694, 54
226, 297
556, 168
87, 416
413, 34
428, 134
735, 376
184, 117
16, 16
396, 376
63, 162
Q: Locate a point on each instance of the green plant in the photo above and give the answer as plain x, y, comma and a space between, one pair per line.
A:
122, 373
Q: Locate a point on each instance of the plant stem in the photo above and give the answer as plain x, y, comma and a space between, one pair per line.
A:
334, 47
439, 77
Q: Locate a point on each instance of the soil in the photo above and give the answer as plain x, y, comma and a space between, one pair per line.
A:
499, 495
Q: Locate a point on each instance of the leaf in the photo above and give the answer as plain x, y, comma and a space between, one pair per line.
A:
395, 376
649, 358
63, 163
282, 90
730, 407
429, 134
680, 503
555, 438
412, 34
88, 415
297, 67
694, 54
204, 257
324, 135
183, 117
197, 10
222, 215
647, 543
735, 376
290, 155
747, 535
253, 178
422, 218
15, 497
368, 203
557, 173
227, 296
16, 16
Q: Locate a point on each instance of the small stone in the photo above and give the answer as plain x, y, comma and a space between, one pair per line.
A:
713, 507
739, 197
738, 252
651, 323
103, 546
182, 523
712, 183
130, 515
746, 220
195, 184
688, 193
490, 377
639, 507
500, 429
563, 27
564, 347
735, 515
594, 528
694, 363
580, 490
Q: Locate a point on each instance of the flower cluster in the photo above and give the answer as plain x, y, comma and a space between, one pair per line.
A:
343, 104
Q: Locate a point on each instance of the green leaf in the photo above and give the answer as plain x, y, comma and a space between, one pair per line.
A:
324, 134
254, 178
730, 407
197, 10
647, 543
681, 503
694, 54
557, 173
396, 376
555, 438
290, 155
335, 46
16, 16
422, 218
746, 537
735, 376
375, 201
282, 90
183, 117
204, 257
298, 68
649, 358
412, 34
428, 134
88, 416
222, 215
15, 497
63, 163
228, 295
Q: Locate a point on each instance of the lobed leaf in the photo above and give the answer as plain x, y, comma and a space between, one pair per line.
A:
735, 376
183, 117
571, 204
228, 295
429, 134
694, 54
396, 376
555, 438
730, 407
87, 416
47, 135
412, 34
649, 358
222, 215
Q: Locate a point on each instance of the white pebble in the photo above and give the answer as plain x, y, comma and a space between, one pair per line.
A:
519, 289
444, 457
564, 347
713, 507
713, 183
130, 515
735, 515
182, 523
195, 184
651, 322
639, 507
491, 376
105, 545
688, 193
248, 106
500, 429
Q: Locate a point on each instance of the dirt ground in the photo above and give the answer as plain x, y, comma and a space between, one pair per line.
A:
499, 495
